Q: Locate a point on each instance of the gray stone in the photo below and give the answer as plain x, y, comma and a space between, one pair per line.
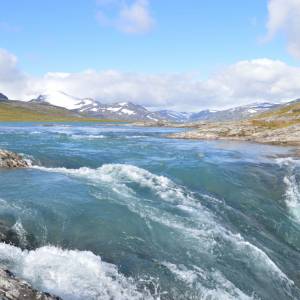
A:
12, 160
12, 288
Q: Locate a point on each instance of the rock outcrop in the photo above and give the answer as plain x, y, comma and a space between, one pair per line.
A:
12, 288
243, 131
278, 126
12, 160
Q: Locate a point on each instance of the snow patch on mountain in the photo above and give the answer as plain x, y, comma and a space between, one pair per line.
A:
130, 111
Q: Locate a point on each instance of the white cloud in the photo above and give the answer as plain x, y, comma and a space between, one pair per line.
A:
132, 18
241, 83
12, 80
284, 17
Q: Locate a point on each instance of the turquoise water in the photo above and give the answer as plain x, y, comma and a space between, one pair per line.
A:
117, 212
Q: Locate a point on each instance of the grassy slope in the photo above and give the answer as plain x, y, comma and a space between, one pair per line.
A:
17, 111
279, 118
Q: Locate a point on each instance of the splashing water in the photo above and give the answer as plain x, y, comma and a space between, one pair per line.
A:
292, 192
157, 220
74, 275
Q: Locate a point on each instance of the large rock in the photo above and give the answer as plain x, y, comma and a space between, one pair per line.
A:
12, 160
12, 288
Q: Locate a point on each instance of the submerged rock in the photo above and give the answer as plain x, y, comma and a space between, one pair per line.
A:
14, 235
12, 288
12, 160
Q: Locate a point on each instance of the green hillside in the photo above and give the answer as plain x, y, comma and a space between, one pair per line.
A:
18, 111
283, 116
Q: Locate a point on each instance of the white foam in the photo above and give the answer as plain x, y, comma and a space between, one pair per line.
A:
87, 137
122, 174
199, 230
185, 275
258, 257
292, 192
21, 232
70, 274
292, 195
223, 289
135, 136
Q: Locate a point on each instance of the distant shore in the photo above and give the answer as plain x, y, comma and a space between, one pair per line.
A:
249, 130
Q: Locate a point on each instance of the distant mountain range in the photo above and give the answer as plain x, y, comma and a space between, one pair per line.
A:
129, 111
92, 108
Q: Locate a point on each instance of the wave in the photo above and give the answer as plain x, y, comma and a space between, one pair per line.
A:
136, 136
198, 229
87, 137
223, 289
21, 232
71, 274
122, 174
292, 192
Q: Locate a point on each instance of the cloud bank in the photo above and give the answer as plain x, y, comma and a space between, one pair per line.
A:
284, 17
132, 18
241, 83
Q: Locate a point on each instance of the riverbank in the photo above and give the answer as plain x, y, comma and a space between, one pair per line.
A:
243, 131
280, 126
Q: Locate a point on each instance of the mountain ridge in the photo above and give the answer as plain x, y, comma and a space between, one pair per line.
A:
134, 112
128, 111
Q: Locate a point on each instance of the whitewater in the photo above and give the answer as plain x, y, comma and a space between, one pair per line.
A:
118, 212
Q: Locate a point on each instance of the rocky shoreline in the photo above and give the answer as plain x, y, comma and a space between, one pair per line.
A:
243, 131
249, 130
12, 288
278, 126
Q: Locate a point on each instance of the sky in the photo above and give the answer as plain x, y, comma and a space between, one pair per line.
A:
182, 55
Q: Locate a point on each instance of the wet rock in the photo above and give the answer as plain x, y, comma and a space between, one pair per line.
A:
12, 288
12, 160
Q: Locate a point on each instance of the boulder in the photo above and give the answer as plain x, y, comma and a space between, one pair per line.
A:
12, 160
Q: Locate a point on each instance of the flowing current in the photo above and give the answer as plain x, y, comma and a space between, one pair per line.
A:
117, 212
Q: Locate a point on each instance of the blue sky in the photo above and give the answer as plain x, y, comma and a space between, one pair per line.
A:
164, 53
192, 35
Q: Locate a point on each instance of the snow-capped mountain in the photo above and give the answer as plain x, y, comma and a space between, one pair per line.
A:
174, 116
236, 113
133, 112
93, 108
119, 111
61, 99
